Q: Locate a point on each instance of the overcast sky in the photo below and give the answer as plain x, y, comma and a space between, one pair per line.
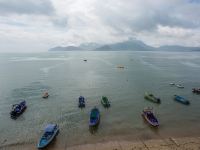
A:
37, 25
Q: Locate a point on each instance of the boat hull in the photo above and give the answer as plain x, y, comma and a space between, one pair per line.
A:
151, 121
94, 117
14, 114
45, 143
152, 98
81, 102
105, 102
181, 100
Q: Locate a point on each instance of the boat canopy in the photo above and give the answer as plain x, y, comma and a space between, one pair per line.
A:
50, 128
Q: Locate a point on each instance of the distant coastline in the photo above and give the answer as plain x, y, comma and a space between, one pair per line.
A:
129, 45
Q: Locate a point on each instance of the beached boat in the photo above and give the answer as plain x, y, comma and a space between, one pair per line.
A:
151, 98
105, 102
94, 117
50, 132
45, 95
81, 102
148, 115
18, 109
195, 90
181, 100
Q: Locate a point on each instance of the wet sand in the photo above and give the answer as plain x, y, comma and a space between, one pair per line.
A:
186, 143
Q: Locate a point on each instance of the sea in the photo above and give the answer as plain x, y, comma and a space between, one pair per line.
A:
66, 76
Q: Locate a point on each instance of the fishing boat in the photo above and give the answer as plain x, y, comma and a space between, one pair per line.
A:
50, 132
105, 102
81, 102
18, 109
94, 117
181, 100
172, 83
151, 98
45, 95
148, 115
195, 90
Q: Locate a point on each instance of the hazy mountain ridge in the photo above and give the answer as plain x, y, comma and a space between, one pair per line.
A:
67, 48
129, 45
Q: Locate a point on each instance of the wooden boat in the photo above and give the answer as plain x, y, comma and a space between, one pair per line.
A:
50, 132
81, 102
18, 109
150, 117
94, 117
152, 98
181, 100
105, 102
195, 90
45, 95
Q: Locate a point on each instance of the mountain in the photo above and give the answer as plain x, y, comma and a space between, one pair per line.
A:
126, 45
89, 46
67, 48
177, 48
129, 45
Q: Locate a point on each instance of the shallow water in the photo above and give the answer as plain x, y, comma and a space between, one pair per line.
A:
66, 76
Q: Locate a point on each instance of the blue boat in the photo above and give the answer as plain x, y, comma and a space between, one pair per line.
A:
50, 132
94, 117
150, 117
18, 109
181, 100
81, 101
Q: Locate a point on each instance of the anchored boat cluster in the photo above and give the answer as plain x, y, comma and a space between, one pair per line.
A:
51, 130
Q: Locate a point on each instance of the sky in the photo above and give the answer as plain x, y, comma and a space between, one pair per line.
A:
37, 25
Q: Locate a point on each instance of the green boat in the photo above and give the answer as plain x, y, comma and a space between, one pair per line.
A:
151, 97
105, 102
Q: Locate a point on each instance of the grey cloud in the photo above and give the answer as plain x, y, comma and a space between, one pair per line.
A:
38, 7
148, 15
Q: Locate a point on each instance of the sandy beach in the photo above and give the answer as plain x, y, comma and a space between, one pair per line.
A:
186, 143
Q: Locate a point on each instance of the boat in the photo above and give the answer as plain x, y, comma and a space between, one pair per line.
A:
45, 95
105, 102
171, 83
18, 109
50, 132
81, 101
120, 67
179, 86
195, 90
152, 98
85, 60
94, 117
181, 100
148, 115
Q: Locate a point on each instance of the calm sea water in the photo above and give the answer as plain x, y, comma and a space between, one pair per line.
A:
66, 76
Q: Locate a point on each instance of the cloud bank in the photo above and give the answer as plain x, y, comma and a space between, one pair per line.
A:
36, 25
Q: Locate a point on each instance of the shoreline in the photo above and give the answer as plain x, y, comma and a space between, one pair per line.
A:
182, 143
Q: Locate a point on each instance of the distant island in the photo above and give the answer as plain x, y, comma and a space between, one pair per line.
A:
129, 45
